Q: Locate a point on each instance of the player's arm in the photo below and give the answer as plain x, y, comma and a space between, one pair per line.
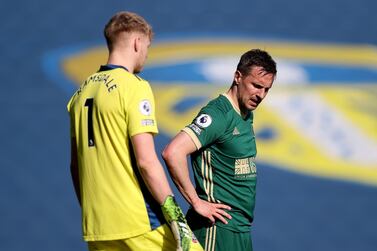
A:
150, 167
74, 169
175, 156
154, 177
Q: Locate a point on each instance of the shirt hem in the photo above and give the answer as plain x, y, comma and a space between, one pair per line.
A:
152, 131
193, 137
109, 237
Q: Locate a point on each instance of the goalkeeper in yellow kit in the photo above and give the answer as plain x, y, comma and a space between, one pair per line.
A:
126, 200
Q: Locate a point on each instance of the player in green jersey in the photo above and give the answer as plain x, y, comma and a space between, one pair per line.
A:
222, 146
126, 200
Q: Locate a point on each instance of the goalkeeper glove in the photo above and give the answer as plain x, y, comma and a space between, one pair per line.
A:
177, 222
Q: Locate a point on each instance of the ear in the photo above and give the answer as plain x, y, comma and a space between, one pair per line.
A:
136, 43
237, 77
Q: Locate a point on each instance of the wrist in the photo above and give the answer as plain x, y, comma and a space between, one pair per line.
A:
171, 210
195, 201
167, 198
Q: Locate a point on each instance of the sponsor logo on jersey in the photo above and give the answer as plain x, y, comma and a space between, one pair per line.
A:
245, 168
204, 120
145, 107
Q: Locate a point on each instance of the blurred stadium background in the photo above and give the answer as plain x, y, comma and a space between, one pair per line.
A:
317, 130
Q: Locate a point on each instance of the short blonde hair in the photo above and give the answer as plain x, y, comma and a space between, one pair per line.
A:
125, 21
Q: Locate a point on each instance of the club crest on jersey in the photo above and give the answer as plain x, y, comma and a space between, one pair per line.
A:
145, 107
204, 120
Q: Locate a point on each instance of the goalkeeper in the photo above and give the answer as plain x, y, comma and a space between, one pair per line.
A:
126, 201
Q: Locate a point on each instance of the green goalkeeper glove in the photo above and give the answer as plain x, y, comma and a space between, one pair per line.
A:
177, 222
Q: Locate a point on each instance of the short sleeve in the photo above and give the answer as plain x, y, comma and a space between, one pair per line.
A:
207, 127
141, 110
71, 117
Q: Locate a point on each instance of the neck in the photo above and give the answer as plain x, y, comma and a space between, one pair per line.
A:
116, 58
232, 94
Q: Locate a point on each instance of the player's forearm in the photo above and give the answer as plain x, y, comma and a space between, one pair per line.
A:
155, 179
150, 167
178, 168
185, 187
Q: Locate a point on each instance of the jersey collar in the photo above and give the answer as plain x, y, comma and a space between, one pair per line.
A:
235, 107
111, 67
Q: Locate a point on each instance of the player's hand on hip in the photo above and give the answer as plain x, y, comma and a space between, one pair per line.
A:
212, 211
178, 224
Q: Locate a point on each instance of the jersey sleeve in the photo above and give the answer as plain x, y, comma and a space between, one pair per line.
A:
141, 110
207, 127
71, 122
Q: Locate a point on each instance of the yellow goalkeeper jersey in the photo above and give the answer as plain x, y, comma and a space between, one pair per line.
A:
111, 106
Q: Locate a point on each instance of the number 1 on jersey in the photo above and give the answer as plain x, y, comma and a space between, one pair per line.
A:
89, 104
